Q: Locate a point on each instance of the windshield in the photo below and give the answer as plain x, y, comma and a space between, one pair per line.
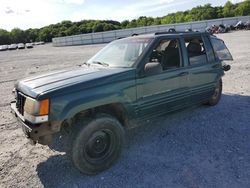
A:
120, 53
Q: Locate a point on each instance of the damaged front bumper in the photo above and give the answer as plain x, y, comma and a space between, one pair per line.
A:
37, 133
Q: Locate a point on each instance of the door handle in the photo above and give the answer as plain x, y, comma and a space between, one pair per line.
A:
183, 74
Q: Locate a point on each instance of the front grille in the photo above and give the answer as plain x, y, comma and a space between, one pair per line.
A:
20, 101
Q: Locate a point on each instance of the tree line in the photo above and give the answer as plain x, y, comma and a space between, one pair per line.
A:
66, 28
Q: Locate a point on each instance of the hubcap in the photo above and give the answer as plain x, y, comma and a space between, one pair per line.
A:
99, 144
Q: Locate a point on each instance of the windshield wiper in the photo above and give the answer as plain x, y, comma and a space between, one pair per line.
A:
100, 63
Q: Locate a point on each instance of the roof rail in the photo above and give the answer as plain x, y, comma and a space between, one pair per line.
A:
172, 30
134, 34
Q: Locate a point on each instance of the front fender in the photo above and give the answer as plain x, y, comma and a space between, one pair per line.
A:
67, 106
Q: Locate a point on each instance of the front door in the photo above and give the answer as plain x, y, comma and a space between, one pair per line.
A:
166, 88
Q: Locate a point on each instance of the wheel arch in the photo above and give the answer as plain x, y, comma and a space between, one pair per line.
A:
116, 110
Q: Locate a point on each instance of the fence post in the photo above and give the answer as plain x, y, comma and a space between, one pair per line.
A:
92, 40
102, 37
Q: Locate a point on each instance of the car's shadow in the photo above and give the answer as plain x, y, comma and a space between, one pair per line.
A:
197, 147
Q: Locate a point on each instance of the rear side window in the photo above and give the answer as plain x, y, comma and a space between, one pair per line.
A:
220, 49
196, 50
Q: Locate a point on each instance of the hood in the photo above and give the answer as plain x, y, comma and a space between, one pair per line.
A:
81, 78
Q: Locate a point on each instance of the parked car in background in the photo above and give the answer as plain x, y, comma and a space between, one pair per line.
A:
3, 47
125, 84
12, 47
20, 46
29, 45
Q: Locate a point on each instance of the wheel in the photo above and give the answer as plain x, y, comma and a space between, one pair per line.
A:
98, 144
216, 95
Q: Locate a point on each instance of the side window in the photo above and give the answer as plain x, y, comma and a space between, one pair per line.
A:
196, 50
167, 53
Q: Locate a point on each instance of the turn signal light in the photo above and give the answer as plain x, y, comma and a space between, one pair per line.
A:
44, 107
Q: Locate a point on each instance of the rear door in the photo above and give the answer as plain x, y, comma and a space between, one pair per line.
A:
204, 71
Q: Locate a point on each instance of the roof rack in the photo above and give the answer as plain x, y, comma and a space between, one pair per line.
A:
134, 34
172, 30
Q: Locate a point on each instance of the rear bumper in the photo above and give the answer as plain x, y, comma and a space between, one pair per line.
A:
37, 133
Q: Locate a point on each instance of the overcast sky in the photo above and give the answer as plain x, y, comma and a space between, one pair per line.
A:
37, 13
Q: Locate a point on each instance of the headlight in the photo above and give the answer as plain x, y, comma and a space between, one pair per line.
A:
35, 107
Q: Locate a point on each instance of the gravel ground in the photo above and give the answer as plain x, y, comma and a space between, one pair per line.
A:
197, 147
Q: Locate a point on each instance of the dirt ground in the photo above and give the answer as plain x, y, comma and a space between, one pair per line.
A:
197, 147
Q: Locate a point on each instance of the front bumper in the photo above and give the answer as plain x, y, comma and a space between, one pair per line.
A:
37, 133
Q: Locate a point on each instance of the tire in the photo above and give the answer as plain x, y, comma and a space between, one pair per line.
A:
98, 144
215, 98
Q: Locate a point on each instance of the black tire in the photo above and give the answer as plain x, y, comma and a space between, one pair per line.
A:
215, 98
98, 144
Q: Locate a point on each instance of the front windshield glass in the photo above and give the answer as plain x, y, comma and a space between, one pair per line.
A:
120, 53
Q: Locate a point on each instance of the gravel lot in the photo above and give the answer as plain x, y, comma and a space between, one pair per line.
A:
197, 147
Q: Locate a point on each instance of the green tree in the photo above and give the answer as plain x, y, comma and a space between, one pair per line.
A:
228, 9
4, 37
17, 35
243, 9
73, 30
108, 27
45, 34
97, 27
125, 24
31, 35
219, 12
66, 23
82, 29
179, 17
132, 23
157, 21
142, 21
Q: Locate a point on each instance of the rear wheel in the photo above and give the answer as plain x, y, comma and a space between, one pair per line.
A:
98, 144
216, 95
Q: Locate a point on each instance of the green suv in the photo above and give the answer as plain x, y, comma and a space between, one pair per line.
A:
128, 82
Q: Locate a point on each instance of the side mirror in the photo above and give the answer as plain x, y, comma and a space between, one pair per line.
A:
152, 68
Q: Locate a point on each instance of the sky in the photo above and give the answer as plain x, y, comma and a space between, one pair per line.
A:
26, 14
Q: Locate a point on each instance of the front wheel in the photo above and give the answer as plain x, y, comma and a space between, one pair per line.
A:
216, 95
97, 145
